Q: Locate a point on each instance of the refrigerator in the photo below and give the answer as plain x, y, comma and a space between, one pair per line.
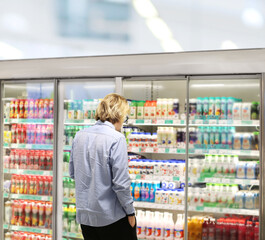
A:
194, 136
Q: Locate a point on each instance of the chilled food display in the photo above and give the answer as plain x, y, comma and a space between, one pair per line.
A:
69, 219
70, 132
29, 213
32, 185
29, 159
159, 225
81, 109
31, 134
68, 187
26, 236
30, 109
199, 108
223, 196
157, 168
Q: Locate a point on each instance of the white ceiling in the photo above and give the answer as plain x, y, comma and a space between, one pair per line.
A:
31, 27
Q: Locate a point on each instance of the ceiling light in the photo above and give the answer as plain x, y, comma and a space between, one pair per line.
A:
159, 28
9, 52
253, 18
228, 45
171, 45
145, 8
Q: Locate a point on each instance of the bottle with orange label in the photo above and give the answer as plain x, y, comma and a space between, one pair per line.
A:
137, 189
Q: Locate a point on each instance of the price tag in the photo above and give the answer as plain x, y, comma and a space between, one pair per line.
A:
255, 122
225, 180
168, 121
139, 121
237, 122
198, 151
213, 121
148, 121
177, 122
160, 121
172, 150
135, 149
28, 146
213, 151
161, 150
143, 150
149, 150
155, 150
199, 121
223, 122
49, 120
131, 121
167, 150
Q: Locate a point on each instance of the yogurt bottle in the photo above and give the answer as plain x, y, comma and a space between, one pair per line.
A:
241, 170
237, 111
246, 141
237, 141
251, 170
223, 108
246, 111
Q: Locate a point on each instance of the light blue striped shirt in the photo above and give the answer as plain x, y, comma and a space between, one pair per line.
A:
99, 165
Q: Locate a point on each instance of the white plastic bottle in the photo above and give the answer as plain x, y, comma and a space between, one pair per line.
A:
170, 108
179, 228
157, 227
159, 136
158, 108
141, 224
149, 230
164, 111
169, 226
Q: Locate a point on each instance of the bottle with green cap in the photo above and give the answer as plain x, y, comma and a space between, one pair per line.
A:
65, 218
140, 109
133, 109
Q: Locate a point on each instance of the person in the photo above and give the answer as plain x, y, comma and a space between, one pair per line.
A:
99, 166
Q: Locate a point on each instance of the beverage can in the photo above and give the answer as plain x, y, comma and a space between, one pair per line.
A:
21, 108
46, 103
41, 109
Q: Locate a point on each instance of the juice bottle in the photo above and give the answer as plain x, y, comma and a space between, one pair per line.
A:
175, 113
149, 231
211, 106
137, 190
12, 109
206, 106
179, 228
211, 229
230, 103
147, 106
212, 131
140, 109
205, 229
223, 108
219, 229
152, 110
158, 108
133, 110
21, 108
51, 108
217, 107
249, 231
170, 108
199, 108
16, 107
241, 230
164, 111
233, 230
256, 231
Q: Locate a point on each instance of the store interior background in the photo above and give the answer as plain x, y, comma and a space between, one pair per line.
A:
63, 28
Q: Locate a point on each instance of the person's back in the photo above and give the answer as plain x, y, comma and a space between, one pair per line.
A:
99, 165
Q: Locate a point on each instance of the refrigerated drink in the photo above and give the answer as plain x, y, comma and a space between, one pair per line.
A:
211, 106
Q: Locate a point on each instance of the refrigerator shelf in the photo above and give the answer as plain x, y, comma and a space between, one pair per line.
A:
248, 153
30, 172
250, 212
194, 179
197, 122
29, 121
28, 197
80, 122
158, 206
69, 200
27, 229
29, 146
73, 235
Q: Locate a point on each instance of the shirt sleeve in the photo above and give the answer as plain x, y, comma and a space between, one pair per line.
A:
71, 163
120, 175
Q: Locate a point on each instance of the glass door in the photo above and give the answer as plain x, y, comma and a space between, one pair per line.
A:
28, 159
79, 100
156, 137
224, 155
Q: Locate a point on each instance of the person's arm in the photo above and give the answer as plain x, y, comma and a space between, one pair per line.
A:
121, 178
71, 163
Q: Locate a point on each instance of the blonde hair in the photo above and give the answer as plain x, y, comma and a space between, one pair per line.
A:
112, 108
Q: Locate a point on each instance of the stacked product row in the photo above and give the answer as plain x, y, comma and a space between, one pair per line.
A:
223, 195
201, 138
29, 108
70, 132
68, 187
69, 219
171, 167
29, 159
228, 166
29, 134
199, 108
159, 226
228, 228
28, 213
26, 236
32, 185
81, 109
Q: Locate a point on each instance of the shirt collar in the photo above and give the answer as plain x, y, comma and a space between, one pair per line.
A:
107, 123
